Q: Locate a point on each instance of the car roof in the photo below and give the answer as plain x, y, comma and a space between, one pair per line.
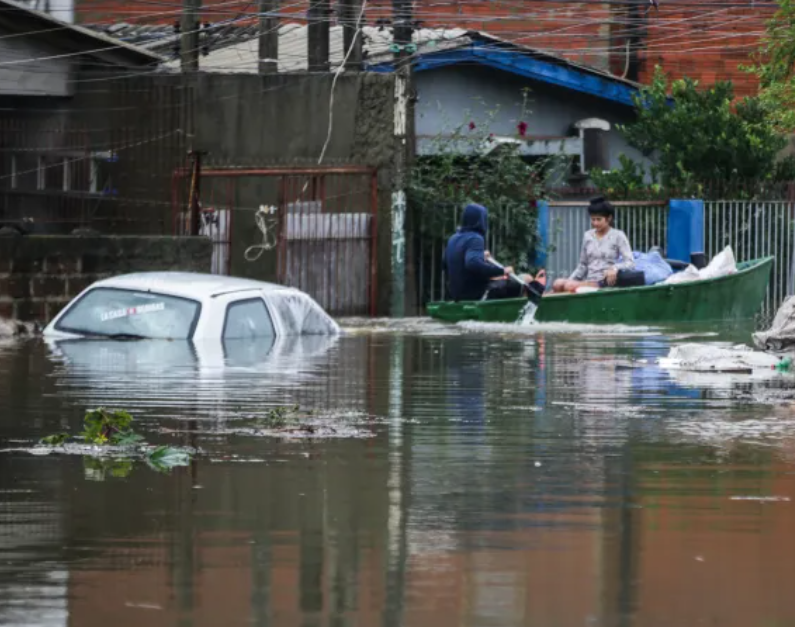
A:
188, 284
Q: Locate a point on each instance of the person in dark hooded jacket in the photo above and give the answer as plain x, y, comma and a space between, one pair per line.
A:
469, 275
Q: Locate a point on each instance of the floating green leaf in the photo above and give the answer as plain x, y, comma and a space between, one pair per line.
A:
96, 469
128, 438
113, 428
164, 458
56, 439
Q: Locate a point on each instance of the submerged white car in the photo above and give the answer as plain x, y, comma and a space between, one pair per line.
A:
188, 306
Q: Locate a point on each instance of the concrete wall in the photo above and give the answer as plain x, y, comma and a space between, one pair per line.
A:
39, 275
454, 95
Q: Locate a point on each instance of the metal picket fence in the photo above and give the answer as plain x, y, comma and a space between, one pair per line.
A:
753, 229
756, 229
434, 227
645, 224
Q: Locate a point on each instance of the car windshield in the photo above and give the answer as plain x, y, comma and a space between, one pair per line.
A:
119, 313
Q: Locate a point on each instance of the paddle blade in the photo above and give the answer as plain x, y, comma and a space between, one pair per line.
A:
535, 291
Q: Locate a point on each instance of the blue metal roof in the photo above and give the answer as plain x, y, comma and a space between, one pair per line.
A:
527, 64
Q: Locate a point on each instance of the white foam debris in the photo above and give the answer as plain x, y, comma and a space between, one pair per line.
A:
715, 431
429, 326
717, 358
15, 328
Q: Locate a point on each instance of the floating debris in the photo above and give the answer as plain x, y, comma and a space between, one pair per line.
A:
289, 423
714, 358
714, 431
17, 328
109, 446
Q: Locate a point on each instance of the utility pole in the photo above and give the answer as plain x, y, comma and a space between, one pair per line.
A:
350, 10
318, 35
402, 32
268, 37
189, 38
194, 200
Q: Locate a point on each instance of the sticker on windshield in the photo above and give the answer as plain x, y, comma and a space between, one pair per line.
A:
132, 311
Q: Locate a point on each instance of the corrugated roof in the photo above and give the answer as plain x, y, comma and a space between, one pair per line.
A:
234, 47
19, 17
244, 56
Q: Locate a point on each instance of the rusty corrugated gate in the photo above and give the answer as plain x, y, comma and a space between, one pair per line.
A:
323, 228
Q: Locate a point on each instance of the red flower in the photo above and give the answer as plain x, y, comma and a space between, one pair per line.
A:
522, 126
471, 126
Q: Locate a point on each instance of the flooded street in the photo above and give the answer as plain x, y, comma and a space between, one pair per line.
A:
462, 476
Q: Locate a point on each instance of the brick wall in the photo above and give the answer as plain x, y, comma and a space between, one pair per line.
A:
41, 274
707, 43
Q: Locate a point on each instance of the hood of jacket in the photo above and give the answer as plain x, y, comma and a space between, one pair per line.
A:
475, 219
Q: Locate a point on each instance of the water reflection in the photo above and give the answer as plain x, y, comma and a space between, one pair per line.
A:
532, 480
214, 379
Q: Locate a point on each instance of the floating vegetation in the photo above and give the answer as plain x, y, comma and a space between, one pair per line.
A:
281, 417
291, 423
110, 446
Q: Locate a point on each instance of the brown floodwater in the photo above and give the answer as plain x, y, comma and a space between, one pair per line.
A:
457, 476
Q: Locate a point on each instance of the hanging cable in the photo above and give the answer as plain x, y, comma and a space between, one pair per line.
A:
267, 225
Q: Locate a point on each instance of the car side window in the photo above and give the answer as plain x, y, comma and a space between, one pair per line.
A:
247, 319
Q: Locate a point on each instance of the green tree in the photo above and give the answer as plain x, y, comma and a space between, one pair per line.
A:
773, 66
701, 136
469, 164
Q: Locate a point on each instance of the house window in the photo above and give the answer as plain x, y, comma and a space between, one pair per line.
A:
594, 155
73, 172
595, 150
49, 173
21, 171
62, 171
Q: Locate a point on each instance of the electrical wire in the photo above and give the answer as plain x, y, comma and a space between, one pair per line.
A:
660, 45
259, 218
339, 71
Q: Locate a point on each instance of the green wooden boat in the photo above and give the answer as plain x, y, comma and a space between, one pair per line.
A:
735, 297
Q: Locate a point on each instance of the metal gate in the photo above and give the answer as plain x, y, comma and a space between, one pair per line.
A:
315, 228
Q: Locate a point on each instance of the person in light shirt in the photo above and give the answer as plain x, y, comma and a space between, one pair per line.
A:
605, 251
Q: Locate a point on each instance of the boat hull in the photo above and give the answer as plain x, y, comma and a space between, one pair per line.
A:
735, 297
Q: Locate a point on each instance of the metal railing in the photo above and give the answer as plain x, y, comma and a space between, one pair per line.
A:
755, 229
645, 224
434, 228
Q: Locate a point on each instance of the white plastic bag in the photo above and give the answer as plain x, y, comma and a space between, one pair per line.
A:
781, 334
722, 264
688, 274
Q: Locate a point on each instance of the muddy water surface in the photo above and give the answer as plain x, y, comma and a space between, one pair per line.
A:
471, 476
